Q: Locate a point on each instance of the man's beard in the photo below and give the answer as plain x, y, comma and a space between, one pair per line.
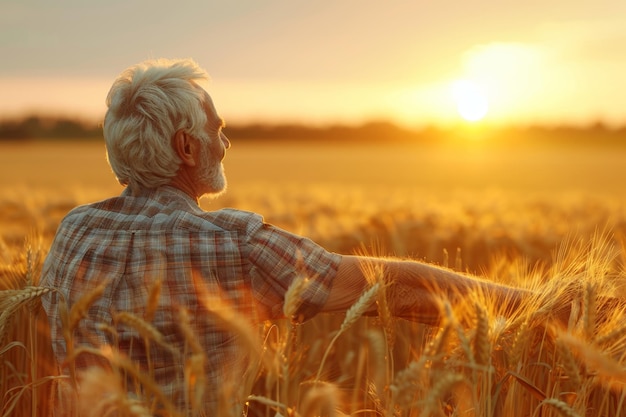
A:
211, 174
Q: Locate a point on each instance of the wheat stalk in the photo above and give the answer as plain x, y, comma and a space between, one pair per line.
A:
437, 345
79, 310
384, 310
270, 402
458, 261
291, 304
561, 406
69, 321
191, 338
442, 386
33, 260
360, 307
145, 329
12, 300
293, 297
63, 397
120, 365
352, 315
375, 273
614, 336
519, 344
233, 321
16, 297
227, 317
377, 349
482, 347
465, 343
406, 383
570, 367
102, 394
21, 379
321, 399
195, 381
149, 386
589, 310
608, 369
153, 299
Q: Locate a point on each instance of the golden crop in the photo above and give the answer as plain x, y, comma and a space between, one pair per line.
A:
527, 218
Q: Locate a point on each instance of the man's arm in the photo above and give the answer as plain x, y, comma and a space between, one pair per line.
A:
414, 289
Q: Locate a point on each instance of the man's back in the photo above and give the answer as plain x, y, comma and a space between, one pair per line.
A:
134, 241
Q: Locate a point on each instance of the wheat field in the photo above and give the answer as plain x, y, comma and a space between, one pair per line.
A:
548, 219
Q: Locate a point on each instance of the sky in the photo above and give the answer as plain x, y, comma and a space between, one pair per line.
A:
326, 62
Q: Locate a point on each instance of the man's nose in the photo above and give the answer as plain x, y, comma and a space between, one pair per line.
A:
225, 141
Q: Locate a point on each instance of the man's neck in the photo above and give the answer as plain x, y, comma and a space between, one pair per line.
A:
183, 184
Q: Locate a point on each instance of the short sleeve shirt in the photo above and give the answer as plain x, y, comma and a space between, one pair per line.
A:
135, 239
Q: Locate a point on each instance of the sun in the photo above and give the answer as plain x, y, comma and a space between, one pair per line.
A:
471, 102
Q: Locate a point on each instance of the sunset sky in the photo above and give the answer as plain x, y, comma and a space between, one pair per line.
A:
344, 61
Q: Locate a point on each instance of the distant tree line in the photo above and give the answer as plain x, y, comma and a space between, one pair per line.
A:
41, 127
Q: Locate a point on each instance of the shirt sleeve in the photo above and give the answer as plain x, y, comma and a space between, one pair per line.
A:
279, 257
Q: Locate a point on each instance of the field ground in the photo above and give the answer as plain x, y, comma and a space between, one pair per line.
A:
403, 199
471, 166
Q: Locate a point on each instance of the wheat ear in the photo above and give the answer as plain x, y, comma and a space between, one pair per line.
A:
518, 345
458, 261
79, 310
145, 329
148, 384
437, 345
233, 321
465, 343
384, 311
352, 315
13, 300
614, 336
102, 394
482, 347
406, 383
568, 362
443, 385
561, 406
293, 297
608, 369
589, 310
360, 307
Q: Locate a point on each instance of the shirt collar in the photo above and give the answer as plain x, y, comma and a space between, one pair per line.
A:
166, 191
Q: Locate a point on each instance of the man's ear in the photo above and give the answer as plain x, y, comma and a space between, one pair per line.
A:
184, 146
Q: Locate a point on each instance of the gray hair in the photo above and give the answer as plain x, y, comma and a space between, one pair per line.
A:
147, 104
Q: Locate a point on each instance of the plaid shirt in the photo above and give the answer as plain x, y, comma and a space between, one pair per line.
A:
133, 240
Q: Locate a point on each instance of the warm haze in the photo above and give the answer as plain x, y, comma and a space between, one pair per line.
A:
324, 62
538, 208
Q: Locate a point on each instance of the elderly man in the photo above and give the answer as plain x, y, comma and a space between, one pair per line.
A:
165, 143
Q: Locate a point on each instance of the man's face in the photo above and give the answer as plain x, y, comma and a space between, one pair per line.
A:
210, 174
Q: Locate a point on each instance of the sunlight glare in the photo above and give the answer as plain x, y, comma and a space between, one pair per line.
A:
512, 75
471, 102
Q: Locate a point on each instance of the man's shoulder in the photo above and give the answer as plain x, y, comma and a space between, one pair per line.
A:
110, 204
160, 214
86, 209
233, 219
